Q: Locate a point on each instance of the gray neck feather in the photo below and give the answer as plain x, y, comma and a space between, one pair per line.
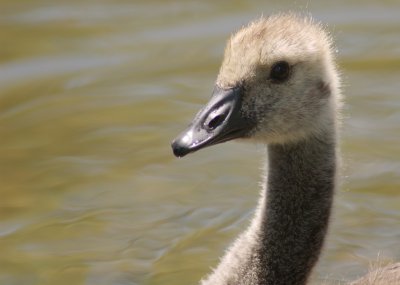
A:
295, 215
284, 240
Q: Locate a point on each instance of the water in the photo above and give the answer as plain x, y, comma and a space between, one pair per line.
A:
91, 94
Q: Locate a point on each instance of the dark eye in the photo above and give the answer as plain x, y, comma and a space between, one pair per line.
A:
280, 71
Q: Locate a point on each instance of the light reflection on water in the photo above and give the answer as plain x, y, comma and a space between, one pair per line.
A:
92, 94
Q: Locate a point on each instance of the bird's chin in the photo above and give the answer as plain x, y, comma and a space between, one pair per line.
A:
274, 137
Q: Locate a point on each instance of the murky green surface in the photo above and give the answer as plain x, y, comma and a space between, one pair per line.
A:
91, 94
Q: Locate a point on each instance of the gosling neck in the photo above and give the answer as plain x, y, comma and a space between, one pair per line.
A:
295, 215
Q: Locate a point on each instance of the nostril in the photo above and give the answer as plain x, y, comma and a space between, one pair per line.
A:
216, 121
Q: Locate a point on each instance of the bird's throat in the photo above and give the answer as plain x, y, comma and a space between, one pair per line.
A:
295, 213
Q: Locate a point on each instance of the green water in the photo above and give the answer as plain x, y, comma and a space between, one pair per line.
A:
92, 93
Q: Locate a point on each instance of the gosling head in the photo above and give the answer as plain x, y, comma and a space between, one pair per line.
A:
277, 83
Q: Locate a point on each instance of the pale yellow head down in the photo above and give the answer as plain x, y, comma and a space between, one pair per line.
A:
298, 106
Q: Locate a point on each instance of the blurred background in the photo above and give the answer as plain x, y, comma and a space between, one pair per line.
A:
92, 93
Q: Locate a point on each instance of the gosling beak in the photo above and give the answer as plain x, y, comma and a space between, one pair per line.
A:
219, 121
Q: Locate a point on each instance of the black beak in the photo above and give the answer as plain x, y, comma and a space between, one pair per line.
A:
219, 121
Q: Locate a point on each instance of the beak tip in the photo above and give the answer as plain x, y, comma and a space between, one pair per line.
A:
179, 149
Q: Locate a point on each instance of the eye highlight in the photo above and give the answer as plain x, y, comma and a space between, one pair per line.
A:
280, 71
